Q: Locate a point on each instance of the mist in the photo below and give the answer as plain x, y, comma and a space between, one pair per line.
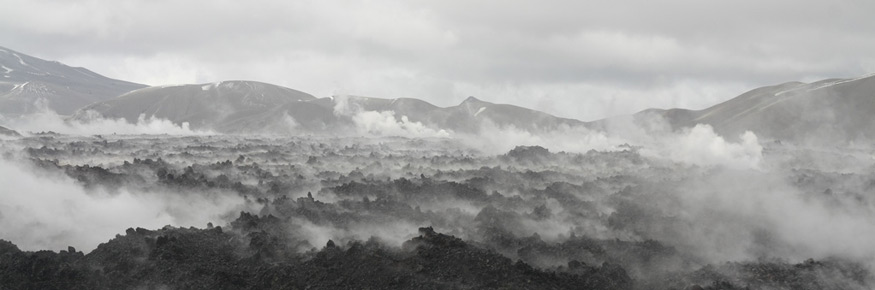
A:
46, 120
686, 200
48, 210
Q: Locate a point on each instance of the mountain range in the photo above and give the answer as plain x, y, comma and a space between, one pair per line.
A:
247, 106
834, 110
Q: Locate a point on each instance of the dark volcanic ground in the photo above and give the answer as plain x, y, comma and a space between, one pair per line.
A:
377, 213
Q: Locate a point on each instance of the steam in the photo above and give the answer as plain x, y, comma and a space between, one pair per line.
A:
745, 215
91, 123
41, 210
383, 123
701, 146
711, 198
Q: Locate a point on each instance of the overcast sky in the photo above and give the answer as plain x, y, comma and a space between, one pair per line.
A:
578, 59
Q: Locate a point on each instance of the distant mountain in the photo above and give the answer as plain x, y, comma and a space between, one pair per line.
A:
828, 111
8, 132
27, 83
253, 107
469, 116
834, 110
230, 106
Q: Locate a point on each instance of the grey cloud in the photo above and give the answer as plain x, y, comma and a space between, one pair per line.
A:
437, 50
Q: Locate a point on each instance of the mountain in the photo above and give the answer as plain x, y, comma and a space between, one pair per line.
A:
253, 107
229, 106
823, 112
833, 110
468, 116
8, 132
27, 83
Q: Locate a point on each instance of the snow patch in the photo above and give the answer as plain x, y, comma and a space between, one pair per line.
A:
778, 94
8, 70
206, 87
21, 61
840, 82
20, 87
480, 111
169, 86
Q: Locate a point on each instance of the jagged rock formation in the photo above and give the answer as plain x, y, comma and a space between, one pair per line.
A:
217, 259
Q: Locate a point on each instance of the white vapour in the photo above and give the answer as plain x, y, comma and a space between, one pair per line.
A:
492, 139
383, 123
700, 145
41, 210
92, 123
746, 214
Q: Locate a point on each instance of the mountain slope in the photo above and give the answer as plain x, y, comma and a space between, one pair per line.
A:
834, 110
469, 117
254, 107
8, 132
219, 106
28, 83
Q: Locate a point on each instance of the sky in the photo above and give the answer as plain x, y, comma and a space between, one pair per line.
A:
577, 59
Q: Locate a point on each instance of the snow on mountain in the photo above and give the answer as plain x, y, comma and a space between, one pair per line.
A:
828, 111
832, 110
28, 84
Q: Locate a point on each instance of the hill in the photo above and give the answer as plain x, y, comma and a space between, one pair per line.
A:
823, 112
224, 106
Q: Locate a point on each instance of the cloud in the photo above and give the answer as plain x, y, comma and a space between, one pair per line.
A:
580, 55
